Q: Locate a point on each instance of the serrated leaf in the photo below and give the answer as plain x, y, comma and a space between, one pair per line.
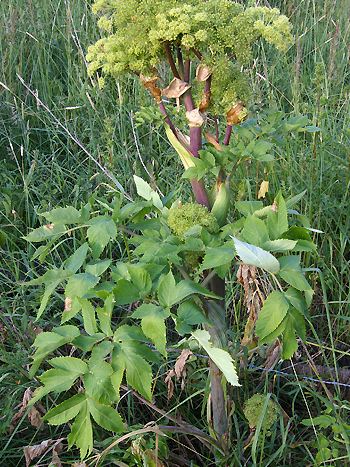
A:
89, 319
167, 290
97, 382
289, 341
271, 315
256, 256
220, 357
45, 232
105, 315
47, 342
153, 324
296, 299
55, 380
75, 262
65, 411
128, 355
106, 416
248, 207
279, 245
72, 364
146, 192
102, 229
215, 257
277, 218
98, 268
67, 215
170, 293
290, 271
255, 231
81, 432
188, 314
80, 284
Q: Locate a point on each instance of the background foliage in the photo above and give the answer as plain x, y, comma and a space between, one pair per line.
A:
44, 42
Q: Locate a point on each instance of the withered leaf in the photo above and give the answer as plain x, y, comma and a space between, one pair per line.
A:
195, 118
176, 88
203, 72
264, 188
31, 452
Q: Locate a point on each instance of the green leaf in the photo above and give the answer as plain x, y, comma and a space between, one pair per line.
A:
170, 293
125, 292
277, 218
55, 380
98, 268
140, 278
167, 290
298, 322
138, 371
271, 315
280, 244
296, 299
248, 207
105, 315
220, 357
81, 432
324, 421
65, 411
47, 342
98, 384
45, 232
188, 315
72, 364
75, 262
289, 341
215, 257
49, 290
67, 215
291, 272
255, 256
255, 231
146, 192
71, 311
89, 319
106, 416
153, 324
102, 229
80, 284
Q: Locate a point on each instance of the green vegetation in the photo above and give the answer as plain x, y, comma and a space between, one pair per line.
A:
52, 150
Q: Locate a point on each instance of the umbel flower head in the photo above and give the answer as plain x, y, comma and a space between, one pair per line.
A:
219, 33
184, 216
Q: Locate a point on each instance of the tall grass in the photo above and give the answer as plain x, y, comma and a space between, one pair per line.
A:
43, 42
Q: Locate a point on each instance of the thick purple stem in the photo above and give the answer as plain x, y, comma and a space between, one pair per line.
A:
228, 135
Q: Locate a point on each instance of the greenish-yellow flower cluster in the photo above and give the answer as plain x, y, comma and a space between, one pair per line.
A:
253, 410
181, 218
222, 32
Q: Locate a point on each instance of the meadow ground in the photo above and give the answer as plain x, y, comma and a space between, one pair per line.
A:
49, 147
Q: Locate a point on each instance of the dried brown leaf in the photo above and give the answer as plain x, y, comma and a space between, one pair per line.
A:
150, 84
203, 72
181, 362
237, 114
170, 384
34, 417
176, 88
31, 452
195, 118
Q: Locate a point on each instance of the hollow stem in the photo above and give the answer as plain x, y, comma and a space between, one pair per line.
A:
170, 59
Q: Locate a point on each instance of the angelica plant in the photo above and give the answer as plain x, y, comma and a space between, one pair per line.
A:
179, 252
